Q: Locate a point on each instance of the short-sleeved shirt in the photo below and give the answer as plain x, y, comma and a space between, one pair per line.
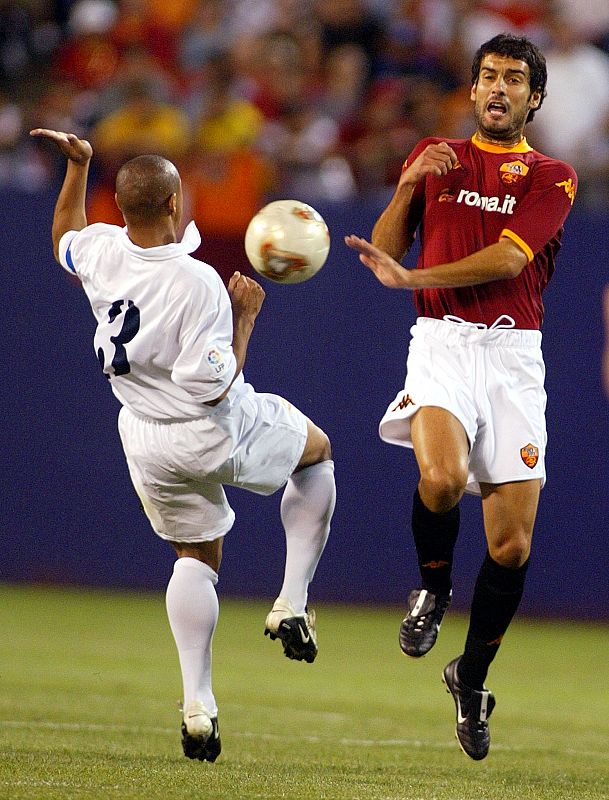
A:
164, 320
491, 192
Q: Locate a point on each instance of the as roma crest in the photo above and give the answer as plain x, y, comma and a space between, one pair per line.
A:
513, 171
530, 455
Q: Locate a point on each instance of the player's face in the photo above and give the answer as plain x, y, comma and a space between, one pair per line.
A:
502, 98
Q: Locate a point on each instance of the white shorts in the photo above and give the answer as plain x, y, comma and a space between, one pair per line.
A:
491, 380
251, 440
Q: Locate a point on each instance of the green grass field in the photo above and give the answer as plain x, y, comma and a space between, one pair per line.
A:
89, 686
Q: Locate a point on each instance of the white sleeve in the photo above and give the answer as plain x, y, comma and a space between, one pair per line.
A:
65, 251
206, 364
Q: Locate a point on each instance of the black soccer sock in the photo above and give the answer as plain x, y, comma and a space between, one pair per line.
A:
435, 536
497, 594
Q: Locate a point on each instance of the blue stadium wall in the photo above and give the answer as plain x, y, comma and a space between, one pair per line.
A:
336, 347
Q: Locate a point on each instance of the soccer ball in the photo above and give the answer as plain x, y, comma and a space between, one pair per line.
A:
287, 241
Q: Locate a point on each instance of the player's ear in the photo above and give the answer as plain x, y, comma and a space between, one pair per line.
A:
535, 100
472, 94
172, 203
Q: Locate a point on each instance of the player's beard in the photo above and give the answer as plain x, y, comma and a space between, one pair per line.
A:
508, 132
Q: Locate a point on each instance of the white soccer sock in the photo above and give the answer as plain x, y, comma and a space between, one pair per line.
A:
306, 510
192, 608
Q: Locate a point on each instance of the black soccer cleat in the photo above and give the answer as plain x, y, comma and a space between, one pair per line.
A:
474, 707
200, 733
420, 626
296, 633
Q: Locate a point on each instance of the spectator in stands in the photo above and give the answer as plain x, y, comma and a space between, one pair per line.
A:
589, 19
324, 58
137, 63
343, 82
350, 22
138, 27
281, 76
225, 178
209, 35
29, 33
299, 141
224, 189
376, 141
479, 20
578, 80
142, 125
224, 121
413, 47
88, 57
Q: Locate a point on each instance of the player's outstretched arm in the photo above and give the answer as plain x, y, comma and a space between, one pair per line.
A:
385, 268
503, 260
70, 214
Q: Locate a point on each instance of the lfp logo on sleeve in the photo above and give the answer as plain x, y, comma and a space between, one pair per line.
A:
214, 357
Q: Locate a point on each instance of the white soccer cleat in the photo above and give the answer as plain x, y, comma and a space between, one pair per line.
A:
200, 732
197, 720
297, 633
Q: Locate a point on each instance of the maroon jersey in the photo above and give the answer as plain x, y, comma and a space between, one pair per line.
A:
491, 192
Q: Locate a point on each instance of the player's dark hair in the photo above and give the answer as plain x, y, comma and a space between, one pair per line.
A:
144, 185
521, 49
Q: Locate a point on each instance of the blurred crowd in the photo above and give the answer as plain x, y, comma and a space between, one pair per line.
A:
316, 99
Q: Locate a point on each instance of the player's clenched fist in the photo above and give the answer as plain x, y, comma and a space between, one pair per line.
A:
77, 150
437, 159
246, 295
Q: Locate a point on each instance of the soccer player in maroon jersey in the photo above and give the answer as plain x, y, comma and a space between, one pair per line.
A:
489, 212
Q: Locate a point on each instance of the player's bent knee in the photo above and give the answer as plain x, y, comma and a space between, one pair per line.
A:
209, 553
441, 489
317, 447
512, 552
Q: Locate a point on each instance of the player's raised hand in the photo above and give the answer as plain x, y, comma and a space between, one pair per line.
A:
77, 150
386, 269
246, 295
437, 159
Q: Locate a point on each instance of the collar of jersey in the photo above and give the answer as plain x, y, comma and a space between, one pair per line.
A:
190, 241
522, 147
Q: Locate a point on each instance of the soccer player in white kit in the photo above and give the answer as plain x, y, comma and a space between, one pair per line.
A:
172, 342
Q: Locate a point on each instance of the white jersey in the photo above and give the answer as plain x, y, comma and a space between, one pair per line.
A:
164, 320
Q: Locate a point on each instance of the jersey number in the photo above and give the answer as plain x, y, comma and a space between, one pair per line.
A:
131, 325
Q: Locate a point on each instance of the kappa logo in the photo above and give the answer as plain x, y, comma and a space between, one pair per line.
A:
569, 187
435, 564
406, 400
530, 455
511, 172
500, 205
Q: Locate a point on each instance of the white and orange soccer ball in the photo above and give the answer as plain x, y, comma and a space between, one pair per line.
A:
287, 241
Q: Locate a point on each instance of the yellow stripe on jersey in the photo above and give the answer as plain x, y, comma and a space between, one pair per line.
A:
520, 242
